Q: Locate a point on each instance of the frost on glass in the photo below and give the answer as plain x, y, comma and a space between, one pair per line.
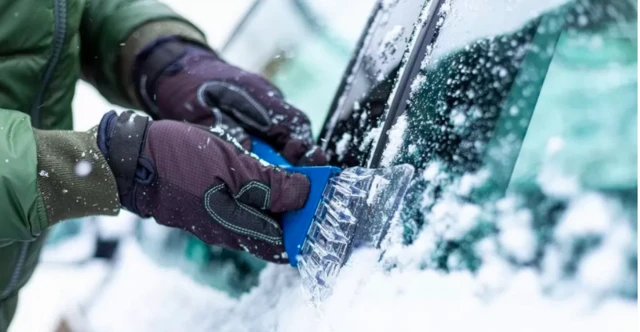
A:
352, 128
515, 130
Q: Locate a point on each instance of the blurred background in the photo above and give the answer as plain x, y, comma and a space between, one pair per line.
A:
304, 46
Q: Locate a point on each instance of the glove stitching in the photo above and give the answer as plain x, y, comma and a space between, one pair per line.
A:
258, 214
270, 239
258, 185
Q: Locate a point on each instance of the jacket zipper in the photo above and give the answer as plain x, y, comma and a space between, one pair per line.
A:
17, 270
60, 31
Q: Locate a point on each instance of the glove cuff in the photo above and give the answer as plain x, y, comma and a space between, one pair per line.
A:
121, 139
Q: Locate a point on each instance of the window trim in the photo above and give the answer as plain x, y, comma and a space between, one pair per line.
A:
428, 33
327, 130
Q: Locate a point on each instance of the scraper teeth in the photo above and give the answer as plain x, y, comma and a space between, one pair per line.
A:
341, 214
344, 221
346, 188
324, 253
333, 234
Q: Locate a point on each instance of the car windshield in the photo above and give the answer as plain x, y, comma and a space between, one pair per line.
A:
538, 109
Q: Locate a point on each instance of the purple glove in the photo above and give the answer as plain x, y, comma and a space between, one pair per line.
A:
179, 80
192, 178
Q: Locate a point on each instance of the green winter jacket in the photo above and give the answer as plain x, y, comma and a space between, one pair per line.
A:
45, 47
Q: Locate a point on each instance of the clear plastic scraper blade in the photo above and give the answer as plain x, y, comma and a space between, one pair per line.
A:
355, 211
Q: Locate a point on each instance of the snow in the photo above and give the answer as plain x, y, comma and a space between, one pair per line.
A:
395, 134
388, 47
588, 214
371, 137
342, 145
83, 168
144, 297
516, 236
481, 17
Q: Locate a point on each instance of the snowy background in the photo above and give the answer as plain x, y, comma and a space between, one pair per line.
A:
140, 295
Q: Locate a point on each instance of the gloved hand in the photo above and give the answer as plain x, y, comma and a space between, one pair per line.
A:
179, 80
191, 177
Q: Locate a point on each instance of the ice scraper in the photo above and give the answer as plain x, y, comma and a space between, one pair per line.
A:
346, 209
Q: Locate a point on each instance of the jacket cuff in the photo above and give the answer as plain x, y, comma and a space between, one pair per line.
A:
74, 178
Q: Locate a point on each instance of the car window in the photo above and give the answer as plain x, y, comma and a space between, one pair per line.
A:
303, 46
540, 105
497, 101
361, 102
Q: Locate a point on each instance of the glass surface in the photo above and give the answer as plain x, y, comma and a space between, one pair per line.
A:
533, 111
561, 81
349, 132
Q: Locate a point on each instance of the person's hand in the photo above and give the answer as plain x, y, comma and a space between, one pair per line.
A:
191, 177
181, 81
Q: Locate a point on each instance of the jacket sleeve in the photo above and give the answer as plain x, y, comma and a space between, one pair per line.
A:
49, 176
113, 31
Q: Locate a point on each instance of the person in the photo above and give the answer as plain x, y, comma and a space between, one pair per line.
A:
188, 168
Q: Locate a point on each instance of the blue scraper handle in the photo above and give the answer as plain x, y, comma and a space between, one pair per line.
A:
295, 224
